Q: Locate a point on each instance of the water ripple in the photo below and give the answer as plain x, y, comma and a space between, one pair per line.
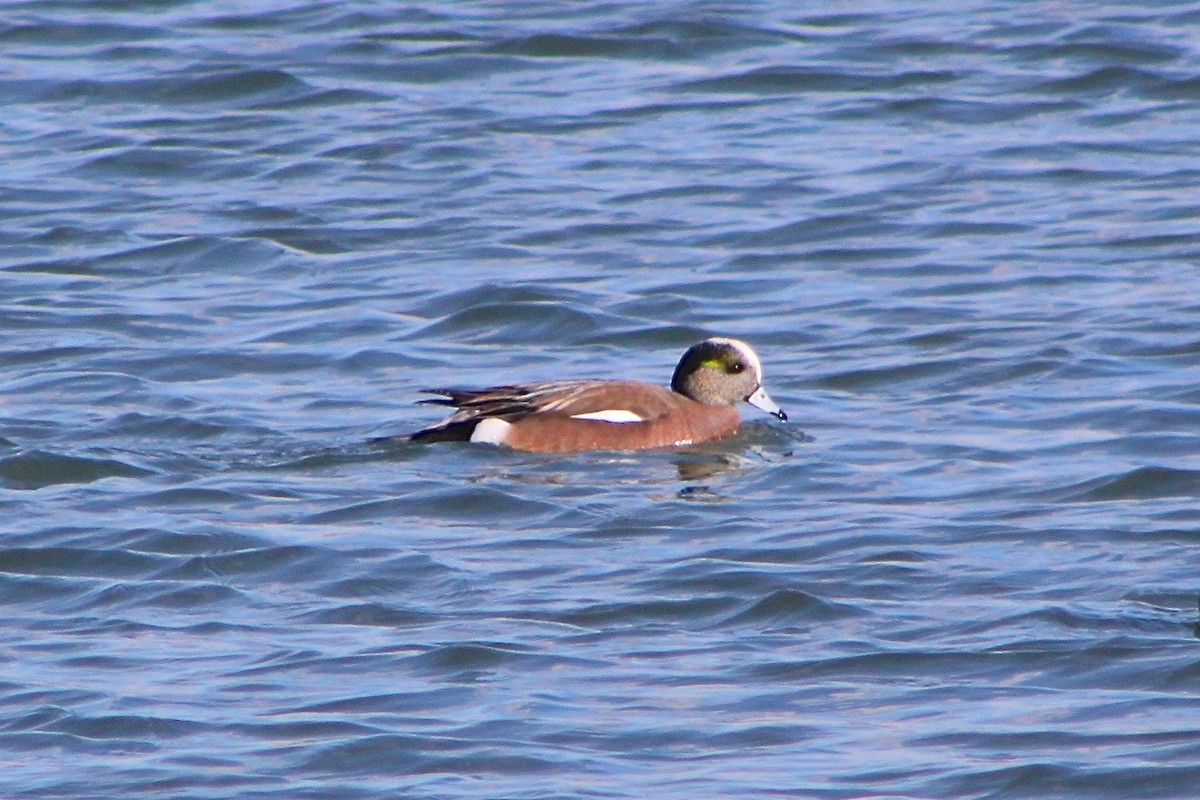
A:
38, 469
241, 240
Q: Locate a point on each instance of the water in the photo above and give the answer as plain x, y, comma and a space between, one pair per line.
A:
239, 237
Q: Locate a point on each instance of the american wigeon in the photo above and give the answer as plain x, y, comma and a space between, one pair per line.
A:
572, 415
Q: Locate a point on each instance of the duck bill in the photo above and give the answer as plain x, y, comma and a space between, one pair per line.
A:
761, 400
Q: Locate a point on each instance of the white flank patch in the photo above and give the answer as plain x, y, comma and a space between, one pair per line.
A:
611, 415
491, 431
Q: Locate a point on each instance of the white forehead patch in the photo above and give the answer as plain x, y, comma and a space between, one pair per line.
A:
743, 348
611, 415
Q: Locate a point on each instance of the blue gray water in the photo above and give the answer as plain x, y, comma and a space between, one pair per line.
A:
238, 238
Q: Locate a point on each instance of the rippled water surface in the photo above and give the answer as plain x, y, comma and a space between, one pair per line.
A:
239, 237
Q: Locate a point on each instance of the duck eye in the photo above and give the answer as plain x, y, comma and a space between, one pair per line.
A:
736, 367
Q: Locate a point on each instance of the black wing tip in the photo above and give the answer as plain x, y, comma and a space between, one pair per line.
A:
442, 397
436, 433
454, 432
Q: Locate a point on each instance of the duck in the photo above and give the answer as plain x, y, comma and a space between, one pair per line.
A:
576, 415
